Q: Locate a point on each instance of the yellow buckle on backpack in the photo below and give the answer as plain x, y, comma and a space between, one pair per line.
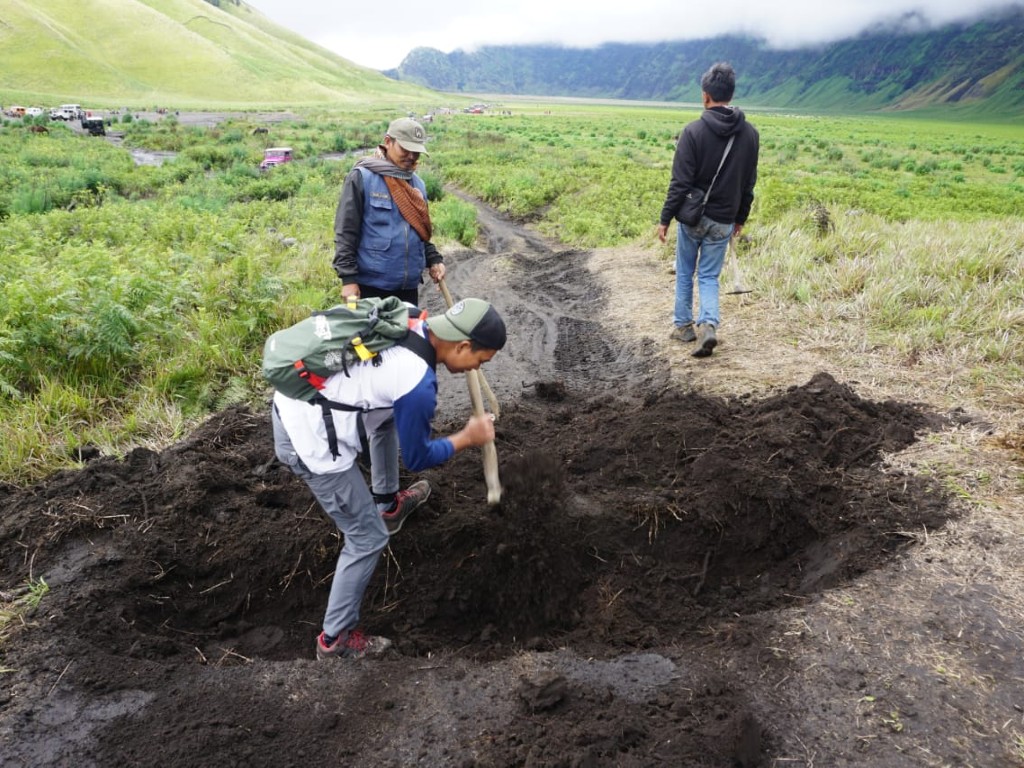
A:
362, 352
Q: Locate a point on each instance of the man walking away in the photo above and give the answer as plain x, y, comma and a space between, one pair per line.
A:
698, 164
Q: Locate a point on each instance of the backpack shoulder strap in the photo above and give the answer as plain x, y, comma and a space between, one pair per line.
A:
326, 406
421, 347
411, 341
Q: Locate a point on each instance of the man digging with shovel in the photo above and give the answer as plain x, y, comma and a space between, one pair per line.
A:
463, 338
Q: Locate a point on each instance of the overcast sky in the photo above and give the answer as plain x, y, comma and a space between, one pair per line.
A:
380, 36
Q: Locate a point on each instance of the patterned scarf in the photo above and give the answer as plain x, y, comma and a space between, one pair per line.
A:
410, 202
411, 205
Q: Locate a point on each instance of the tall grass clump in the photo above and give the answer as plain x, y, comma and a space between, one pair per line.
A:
124, 321
950, 293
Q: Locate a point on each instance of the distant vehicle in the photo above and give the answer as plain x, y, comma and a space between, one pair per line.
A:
94, 125
67, 112
15, 111
33, 111
273, 156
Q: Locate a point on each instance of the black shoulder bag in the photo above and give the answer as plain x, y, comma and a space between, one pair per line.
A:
692, 209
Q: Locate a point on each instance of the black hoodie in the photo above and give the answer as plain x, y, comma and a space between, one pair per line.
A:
698, 153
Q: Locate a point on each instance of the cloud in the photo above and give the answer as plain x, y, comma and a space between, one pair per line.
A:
379, 37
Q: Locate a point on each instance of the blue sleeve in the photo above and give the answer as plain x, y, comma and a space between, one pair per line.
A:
414, 412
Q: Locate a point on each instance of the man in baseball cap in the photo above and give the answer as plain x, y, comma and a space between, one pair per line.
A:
402, 389
409, 134
382, 227
472, 320
382, 247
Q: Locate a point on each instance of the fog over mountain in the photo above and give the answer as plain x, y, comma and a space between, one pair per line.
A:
977, 66
381, 39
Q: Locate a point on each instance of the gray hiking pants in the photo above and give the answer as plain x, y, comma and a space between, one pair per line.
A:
347, 500
382, 439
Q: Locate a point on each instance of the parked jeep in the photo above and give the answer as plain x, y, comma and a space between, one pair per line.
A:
67, 112
94, 125
274, 156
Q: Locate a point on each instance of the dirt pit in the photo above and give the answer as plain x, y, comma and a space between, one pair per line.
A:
187, 587
672, 578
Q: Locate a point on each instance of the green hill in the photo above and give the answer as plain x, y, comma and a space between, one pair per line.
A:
971, 68
179, 52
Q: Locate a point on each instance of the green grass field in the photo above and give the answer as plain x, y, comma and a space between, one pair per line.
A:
587, 165
185, 54
134, 300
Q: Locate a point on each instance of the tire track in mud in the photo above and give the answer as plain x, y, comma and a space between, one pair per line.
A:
551, 297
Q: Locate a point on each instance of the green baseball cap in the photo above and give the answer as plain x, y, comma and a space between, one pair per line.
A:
470, 320
409, 134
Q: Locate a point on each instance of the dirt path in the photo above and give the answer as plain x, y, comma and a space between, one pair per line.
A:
744, 561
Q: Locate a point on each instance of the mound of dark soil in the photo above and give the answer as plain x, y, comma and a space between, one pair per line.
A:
186, 587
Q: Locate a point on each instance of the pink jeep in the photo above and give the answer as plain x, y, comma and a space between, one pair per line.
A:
275, 156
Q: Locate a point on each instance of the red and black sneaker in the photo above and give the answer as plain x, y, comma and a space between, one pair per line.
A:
351, 644
405, 503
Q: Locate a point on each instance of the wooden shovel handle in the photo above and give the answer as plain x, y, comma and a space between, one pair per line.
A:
490, 454
484, 386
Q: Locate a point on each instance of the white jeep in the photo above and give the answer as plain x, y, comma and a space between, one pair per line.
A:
67, 112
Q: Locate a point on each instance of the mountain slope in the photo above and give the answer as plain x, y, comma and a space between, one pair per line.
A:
171, 51
980, 65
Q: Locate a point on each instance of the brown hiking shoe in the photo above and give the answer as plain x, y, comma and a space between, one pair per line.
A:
706, 341
684, 333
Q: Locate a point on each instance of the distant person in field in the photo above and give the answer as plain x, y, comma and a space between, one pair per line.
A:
405, 382
701, 249
382, 246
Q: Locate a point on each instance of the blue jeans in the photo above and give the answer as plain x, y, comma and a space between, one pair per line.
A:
700, 251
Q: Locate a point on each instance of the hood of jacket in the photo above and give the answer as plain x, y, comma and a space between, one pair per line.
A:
723, 121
